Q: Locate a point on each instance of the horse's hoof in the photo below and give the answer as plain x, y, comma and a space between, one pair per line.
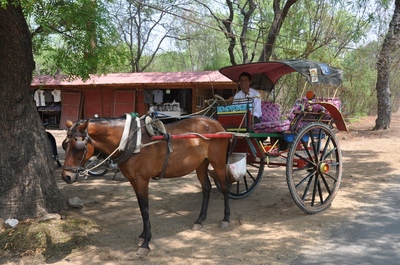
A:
196, 226
139, 241
225, 224
142, 251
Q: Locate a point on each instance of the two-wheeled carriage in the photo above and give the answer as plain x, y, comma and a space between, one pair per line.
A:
303, 141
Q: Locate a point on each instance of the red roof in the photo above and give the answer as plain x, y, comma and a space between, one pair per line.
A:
201, 79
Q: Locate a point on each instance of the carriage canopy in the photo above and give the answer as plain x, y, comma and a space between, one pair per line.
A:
266, 74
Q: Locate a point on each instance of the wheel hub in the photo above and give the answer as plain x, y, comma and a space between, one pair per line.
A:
323, 168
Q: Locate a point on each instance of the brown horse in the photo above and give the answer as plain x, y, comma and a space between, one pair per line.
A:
186, 155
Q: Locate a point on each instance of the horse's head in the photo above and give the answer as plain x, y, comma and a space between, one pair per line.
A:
78, 149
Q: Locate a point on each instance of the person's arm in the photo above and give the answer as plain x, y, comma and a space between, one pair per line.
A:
257, 107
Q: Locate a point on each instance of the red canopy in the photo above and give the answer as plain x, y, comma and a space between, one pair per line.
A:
318, 73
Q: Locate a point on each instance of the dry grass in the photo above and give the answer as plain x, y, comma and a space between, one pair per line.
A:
50, 239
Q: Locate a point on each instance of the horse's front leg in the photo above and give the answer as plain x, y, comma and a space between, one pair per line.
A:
202, 175
142, 195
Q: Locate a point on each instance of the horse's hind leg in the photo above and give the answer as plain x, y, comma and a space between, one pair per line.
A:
220, 177
202, 175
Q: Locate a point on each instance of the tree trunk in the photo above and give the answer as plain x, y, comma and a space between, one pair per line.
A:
389, 45
27, 185
279, 17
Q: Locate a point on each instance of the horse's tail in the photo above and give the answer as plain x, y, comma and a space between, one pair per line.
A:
53, 144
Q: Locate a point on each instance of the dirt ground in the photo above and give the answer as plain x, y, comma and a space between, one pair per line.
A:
266, 227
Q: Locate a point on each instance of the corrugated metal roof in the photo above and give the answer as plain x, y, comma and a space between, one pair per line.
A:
145, 80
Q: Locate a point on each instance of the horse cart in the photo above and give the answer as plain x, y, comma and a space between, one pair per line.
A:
303, 140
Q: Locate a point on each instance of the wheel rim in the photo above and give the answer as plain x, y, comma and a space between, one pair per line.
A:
314, 168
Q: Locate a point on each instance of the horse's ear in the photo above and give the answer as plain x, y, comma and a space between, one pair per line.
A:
84, 126
69, 123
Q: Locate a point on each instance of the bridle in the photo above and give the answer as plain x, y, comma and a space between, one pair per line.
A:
79, 145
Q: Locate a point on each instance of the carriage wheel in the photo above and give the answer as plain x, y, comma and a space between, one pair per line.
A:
314, 168
100, 170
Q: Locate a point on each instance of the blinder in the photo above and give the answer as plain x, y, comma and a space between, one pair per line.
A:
81, 144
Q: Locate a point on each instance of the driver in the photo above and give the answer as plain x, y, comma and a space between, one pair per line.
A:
247, 91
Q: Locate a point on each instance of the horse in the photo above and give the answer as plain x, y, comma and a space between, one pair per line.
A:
153, 161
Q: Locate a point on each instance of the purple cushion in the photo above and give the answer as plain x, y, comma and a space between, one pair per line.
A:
272, 126
270, 111
303, 104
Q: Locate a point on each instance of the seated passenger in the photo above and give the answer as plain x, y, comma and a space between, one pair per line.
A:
246, 91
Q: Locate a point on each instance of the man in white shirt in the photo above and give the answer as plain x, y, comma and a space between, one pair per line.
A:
247, 91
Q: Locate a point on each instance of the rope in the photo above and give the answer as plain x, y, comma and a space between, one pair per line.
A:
86, 171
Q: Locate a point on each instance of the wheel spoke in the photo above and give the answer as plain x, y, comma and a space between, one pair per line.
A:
307, 187
251, 175
321, 199
327, 144
314, 190
304, 158
315, 147
326, 183
305, 147
304, 179
330, 176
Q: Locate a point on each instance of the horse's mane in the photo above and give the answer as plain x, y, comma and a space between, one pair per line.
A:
103, 119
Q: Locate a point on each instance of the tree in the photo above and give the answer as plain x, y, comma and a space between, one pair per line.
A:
143, 27
74, 38
198, 44
27, 185
274, 29
227, 26
390, 43
322, 29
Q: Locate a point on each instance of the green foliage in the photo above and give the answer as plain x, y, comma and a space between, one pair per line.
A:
72, 37
81, 37
200, 47
358, 92
320, 30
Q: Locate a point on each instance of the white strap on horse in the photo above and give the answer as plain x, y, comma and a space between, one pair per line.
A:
125, 134
138, 136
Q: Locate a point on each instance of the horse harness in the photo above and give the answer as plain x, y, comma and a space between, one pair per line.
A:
156, 127
153, 127
130, 146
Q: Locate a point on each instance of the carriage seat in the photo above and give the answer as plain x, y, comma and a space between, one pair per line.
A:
235, 117
303, 104
311, 112
271, 120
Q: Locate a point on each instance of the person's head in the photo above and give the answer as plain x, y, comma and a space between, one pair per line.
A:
245, 82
